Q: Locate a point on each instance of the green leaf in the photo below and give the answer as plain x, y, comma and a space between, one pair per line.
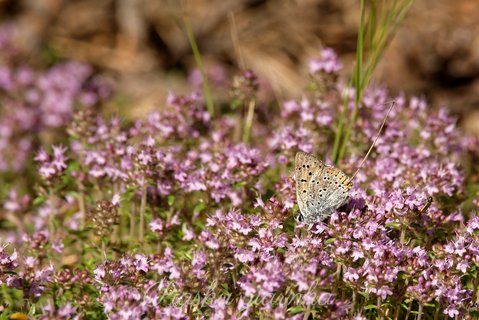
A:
394, 225
73, 166
151, 237
129, 195
240, 184
39, 200
33, 309
235, 104
474, 313
364, 294
199, 224
171, 200
330, 240
370, 306
187, 255
82, 234
199, 207
296, 309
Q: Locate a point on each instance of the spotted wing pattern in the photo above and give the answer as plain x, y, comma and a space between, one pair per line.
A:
319, 188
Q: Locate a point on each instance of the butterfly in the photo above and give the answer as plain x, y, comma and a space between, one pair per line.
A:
320, 188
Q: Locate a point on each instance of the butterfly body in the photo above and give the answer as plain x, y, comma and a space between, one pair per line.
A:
320, 188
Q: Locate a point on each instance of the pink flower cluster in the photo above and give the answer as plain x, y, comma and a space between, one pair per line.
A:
221, 239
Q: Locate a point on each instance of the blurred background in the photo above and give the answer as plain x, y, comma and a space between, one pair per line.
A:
141, 45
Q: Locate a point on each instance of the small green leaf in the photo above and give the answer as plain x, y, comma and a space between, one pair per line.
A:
295, 309
73, 166
370, 306
240, 184
171, 200
474, 313
199, 207
224, 286
187, 255
394, 225
129, 195
235, 104
39, 200
33, 309
83, 234
364, 294
330, 240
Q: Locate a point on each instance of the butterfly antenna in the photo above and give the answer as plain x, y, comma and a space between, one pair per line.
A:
375, 140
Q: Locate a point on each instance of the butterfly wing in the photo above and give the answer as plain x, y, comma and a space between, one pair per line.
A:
338, 186
319, 188
306, 166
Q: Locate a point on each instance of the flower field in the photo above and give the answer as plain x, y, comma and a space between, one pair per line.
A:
189, 214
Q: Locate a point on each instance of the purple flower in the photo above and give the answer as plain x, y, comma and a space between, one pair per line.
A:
262, 280
156, 225
52, 166
198, 262
328, 62
141, 263
67, 311
222, 240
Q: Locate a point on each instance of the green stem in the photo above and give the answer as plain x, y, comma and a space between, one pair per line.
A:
337, 138
402, 238
396, 312
375, 32
53, 297
419, 311
475, 296
357, 81
103, 250
436, 312
307, 313
339, 129
408, 310
249, 121
132, 220
353, 303
116, 236
338, 276
122, 225
81, 203
142, 211
199, 64
51, 217
378, 305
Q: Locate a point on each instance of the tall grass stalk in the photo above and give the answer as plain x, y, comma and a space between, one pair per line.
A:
141, 230
81, 203
199, 64
378, 24
51, 216
249, 122
132, 220
419, 312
